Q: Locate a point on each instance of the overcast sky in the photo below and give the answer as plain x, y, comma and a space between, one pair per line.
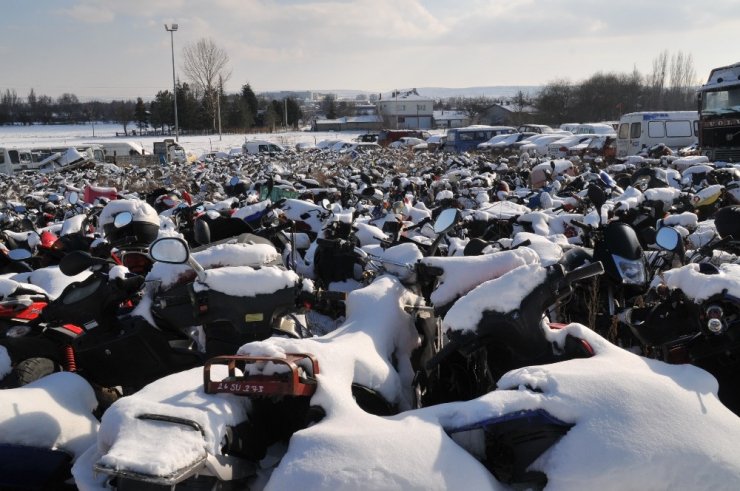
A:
113, 49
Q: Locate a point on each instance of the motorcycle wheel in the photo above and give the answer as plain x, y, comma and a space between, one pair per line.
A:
32, 369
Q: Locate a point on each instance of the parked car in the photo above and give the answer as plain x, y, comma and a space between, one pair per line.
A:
539, 145
559, 148
406, 142
602, 146
386, 137
534, 128
504, 144
594, 129
579, 149
358, 148
325, 145
486, 145
255, 147
432, 144
304, 146
339, 146
367, 138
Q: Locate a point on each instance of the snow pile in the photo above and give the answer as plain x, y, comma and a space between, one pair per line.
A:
503, 294
666, 195
698, 286
9, 286
686, 219
683, 163
500, 210
548, 251
140, 210
50, 279
239, 254
462, 274
244, 281
127, 442
53, 412
631, 198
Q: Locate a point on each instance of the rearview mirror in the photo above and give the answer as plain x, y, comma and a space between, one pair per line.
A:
73, 198
123, 219
170, 250
202, 232
19, 254
668, 238
596, 195
446, 220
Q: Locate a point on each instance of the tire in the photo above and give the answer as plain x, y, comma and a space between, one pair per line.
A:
33, 369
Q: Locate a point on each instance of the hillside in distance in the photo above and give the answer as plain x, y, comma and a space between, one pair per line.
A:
492, 91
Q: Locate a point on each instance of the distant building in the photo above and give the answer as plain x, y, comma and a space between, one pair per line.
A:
450, 119
298, 95
509, 115
365, 118
349, 123
405, 110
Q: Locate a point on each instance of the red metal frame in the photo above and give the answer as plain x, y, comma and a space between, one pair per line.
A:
289, 383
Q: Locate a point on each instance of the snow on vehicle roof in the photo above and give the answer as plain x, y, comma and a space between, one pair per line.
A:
502, 294
698, 286
139, 209
463, 273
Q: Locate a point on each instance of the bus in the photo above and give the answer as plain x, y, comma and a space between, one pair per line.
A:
469, 137
644, 129
16, 159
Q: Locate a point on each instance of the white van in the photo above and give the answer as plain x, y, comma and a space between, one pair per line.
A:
255, 147
644, 129
594, 129
121, 149
14, 159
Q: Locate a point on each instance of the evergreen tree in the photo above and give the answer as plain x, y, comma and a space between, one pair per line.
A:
141, 114
251, 100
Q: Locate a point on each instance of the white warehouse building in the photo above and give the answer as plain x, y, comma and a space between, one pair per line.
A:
405, 110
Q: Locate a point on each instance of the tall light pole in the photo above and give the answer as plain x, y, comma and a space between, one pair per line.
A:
172, 28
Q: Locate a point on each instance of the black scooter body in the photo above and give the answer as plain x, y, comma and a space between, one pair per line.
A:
619, 239
229, 321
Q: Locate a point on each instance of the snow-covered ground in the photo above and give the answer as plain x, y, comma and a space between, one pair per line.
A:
53, 135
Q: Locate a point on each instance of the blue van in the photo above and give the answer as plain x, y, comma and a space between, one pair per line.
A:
468, 138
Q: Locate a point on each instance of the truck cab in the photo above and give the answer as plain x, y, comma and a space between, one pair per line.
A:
169, 152
719, 114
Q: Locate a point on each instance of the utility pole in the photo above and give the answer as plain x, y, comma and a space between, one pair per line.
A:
218, 103
171, 29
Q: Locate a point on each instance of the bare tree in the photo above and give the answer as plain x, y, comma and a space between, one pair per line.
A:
205, 65
474, 108
682, 81
656, 80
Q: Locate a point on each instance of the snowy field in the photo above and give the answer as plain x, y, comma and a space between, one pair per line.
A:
38, 135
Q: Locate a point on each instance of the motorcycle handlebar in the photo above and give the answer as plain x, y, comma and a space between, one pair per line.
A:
584, 272
129, 285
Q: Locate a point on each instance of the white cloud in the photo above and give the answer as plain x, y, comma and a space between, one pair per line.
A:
93, 12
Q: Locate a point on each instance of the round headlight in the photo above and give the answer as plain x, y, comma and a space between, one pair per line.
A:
714, 326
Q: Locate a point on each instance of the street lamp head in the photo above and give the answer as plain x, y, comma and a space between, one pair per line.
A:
170, 28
